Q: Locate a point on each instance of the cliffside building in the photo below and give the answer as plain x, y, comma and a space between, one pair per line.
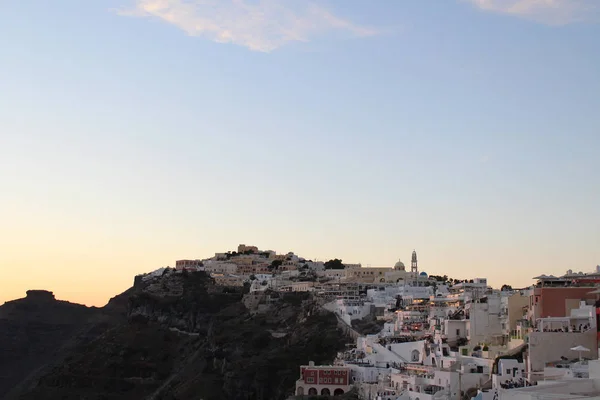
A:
325, 380
189, 265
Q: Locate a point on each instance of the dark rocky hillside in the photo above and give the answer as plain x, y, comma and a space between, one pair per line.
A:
182, 337
38, 330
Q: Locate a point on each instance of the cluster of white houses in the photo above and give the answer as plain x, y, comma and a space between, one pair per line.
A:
437, 340
289, 272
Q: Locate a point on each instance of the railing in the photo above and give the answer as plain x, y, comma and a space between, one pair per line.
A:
517, 337
566, 331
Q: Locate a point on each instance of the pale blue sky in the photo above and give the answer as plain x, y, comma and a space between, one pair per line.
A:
133, 133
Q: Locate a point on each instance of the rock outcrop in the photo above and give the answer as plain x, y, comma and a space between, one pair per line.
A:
38, 330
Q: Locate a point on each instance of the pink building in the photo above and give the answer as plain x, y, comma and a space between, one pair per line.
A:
323, 380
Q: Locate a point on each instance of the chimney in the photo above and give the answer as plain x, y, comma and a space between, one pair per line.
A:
311, 363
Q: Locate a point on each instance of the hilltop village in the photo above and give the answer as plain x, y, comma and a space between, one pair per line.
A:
425, 337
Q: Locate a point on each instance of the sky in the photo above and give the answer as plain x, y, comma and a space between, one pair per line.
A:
137, 132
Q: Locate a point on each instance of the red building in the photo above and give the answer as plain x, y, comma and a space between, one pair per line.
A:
556, 297
558, 301
323, 380
598, 323
188, 265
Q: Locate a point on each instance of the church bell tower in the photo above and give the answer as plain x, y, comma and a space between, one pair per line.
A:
414, 269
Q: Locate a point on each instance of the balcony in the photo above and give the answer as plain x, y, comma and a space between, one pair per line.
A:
425, 392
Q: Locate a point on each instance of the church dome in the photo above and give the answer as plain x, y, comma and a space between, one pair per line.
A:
399, 266
423, 274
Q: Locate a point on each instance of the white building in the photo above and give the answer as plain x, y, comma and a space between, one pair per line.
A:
154, 274
220, 267
509, 372
454, 330
427, 383
477, 284
316, 266
484, 323
554, 337
297, 287
349, 310
335, 273
263, 277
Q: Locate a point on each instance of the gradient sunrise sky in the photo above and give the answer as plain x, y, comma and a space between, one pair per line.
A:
134, 133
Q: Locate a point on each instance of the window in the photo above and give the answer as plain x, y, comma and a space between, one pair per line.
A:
415, 355
508, 371
310, 379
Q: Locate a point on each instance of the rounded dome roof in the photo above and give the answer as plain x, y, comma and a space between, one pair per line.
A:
423, 273
399, 265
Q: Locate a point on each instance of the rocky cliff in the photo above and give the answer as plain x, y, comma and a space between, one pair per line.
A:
182, 337
38, 330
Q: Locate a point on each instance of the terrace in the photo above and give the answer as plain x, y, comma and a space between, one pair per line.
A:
544, 281
563, 324
559, 369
